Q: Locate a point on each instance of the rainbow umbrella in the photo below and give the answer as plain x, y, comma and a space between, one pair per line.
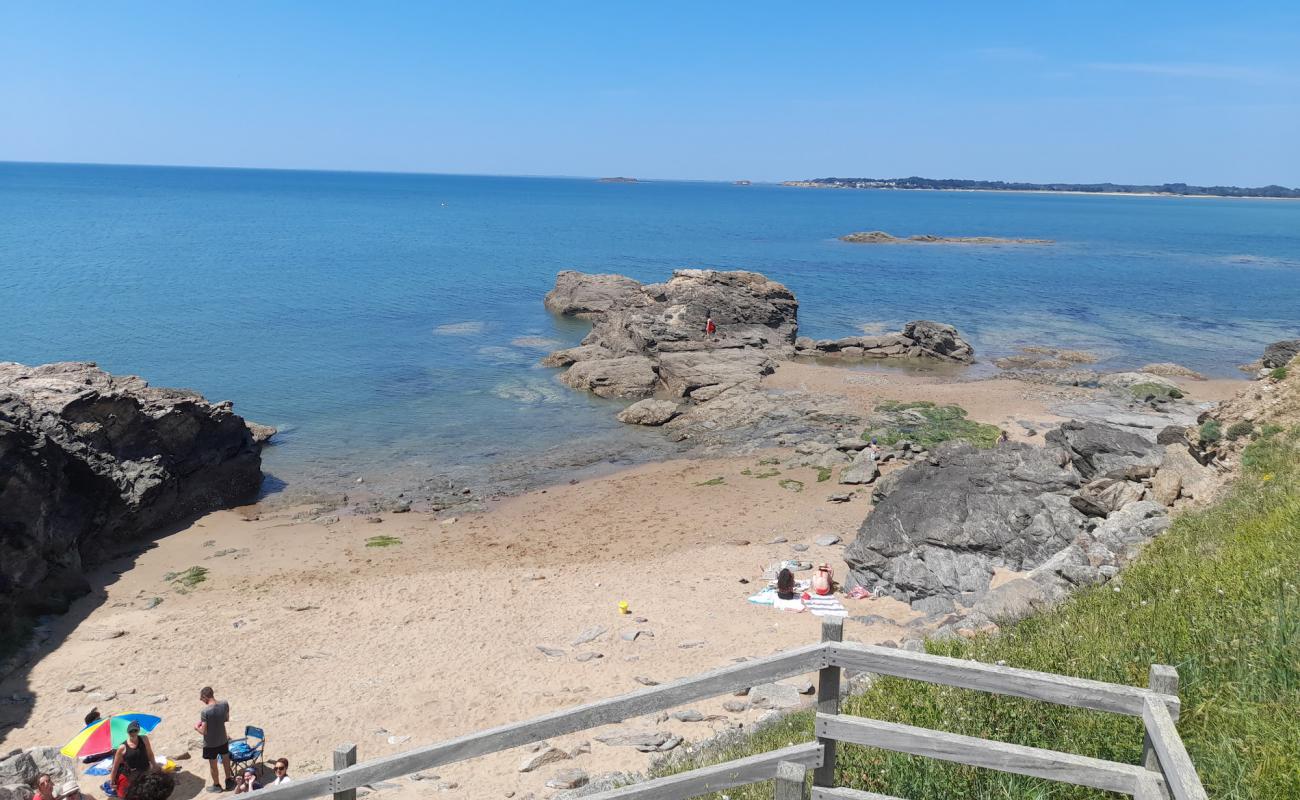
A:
107, 734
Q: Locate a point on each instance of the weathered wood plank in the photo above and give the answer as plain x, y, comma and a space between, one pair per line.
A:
828, 700
1148, 788
727, 775
1179, 772
590, 715
1035, 762
1060, 689
839, 793
789, 781
1164, 679
345, 755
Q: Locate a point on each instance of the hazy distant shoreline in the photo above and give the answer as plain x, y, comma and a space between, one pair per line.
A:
1272, 192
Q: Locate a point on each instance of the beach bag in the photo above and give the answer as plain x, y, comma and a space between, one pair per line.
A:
823, 579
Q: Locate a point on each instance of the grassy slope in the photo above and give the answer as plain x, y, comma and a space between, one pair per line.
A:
1216, 596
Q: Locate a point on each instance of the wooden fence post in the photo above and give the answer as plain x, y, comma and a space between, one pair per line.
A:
1164, 679
828, 702
789, 780
1148, 789
345, 755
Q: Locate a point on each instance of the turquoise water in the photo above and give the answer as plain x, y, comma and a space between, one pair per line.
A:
392, 323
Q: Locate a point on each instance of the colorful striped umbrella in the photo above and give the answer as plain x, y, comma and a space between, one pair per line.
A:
107, 734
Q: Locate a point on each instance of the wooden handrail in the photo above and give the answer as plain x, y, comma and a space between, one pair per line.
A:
1012, 681
718, 777
1158, 711
1036, 762
590, 715
1175, 763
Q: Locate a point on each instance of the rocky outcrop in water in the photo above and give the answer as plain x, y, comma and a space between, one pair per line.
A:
648, 338
918, 339
651, 339
89, 459
1279, 354
880, 237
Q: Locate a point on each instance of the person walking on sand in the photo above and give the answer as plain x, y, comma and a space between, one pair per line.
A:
216, 744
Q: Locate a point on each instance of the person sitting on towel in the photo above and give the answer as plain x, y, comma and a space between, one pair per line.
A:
787, 599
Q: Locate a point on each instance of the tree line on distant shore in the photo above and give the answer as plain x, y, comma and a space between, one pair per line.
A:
915, 182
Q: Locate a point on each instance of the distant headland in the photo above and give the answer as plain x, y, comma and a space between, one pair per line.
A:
954, 184
617, 180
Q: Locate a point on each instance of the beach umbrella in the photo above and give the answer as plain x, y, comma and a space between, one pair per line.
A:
107, 734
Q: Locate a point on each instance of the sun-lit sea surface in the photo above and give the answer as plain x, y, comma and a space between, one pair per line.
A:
392, 323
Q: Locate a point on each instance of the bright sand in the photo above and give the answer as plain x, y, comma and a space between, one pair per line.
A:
437, 636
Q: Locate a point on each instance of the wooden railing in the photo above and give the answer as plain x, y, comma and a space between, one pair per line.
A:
1166, 771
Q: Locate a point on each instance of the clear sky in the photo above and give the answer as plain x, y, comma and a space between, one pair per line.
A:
1202, 92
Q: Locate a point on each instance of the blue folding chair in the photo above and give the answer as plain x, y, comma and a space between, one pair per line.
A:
245, 752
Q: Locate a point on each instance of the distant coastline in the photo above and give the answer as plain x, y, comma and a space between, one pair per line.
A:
1137, 190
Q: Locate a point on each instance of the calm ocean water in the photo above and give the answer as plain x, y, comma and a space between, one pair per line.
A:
392, 323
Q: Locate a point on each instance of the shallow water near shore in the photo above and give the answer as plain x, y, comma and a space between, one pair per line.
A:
390, 325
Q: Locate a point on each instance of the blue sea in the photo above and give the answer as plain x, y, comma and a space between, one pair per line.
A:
390, 324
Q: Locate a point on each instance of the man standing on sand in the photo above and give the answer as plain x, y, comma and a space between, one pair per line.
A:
216, 744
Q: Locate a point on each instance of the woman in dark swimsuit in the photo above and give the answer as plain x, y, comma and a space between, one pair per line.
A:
133, 759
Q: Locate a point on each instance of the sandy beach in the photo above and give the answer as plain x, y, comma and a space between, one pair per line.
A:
321, 639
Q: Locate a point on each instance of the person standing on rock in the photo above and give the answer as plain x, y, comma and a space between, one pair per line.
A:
710, 328
216, 744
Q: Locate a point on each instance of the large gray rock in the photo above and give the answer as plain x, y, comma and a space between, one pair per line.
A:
89, 460
581, 294
649, 412
685, 373
626, 378
938, 340
946, 523
863, 470
1279, 354
1099, 450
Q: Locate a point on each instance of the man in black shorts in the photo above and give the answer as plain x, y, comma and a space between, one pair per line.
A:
216, 744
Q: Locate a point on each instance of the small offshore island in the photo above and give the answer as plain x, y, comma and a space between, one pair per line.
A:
880, 237
957, 184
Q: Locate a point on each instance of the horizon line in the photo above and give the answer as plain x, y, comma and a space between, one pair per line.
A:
588, 177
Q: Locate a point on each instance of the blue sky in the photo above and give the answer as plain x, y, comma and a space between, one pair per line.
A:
1129, 92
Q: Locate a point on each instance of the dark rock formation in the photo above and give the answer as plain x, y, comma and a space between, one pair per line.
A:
1098, 450
1279, 354
918, 339
944, 524
880, 237
89, 459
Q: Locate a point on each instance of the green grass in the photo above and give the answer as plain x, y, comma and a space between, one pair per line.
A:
1158, 390
823, 474
1278, 373
1216, 596
382, 541
1210, 431
187, 580
791, 484
1239, 429
718, 481
765, 473
929, 425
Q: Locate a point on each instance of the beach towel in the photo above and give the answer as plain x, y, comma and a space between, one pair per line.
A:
829, 606
101, 767
767, 596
